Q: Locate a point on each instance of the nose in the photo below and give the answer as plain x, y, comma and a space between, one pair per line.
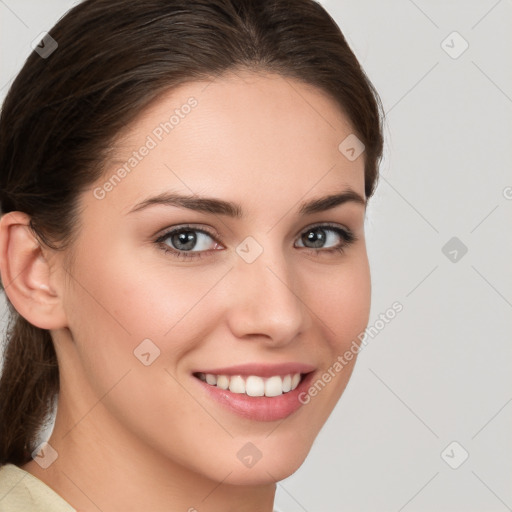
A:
266, 300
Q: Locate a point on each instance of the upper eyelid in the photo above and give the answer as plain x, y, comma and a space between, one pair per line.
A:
182, 227
214, 233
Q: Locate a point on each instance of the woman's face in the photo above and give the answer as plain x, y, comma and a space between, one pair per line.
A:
257, 294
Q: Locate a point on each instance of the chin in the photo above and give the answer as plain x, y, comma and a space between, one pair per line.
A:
275, 461
265, 473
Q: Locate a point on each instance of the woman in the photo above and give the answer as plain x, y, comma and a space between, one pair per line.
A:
183, 190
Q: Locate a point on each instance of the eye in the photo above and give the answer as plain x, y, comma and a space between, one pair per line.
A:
188, 242
185, 240
326, 237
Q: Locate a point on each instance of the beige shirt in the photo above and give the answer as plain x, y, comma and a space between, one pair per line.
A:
20, 491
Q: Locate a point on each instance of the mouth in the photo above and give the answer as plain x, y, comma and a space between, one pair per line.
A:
257, 392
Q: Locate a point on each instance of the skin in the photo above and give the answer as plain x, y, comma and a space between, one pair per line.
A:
133, 437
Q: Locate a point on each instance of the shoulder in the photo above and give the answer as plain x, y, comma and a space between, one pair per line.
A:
20, 491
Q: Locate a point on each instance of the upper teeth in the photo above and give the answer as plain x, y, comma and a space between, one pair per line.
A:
253, 385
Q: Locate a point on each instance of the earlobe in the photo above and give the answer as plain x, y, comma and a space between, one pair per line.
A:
26, 274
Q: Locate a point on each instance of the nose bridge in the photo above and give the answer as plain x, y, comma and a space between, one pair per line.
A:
267, 299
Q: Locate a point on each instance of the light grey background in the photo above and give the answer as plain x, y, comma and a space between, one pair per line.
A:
441, 370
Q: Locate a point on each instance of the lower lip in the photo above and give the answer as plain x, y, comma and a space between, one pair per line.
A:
259, 408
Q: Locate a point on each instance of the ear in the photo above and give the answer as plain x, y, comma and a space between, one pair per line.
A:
26, 274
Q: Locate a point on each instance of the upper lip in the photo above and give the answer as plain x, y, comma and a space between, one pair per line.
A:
260, 369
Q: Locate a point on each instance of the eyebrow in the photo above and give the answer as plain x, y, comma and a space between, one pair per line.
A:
234, 210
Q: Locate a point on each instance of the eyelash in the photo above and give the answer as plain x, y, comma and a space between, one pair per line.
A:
346, 235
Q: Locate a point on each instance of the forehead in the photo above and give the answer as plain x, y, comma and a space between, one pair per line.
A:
242, 136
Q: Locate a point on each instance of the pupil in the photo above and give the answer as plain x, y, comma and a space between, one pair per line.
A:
316, 236
185, 239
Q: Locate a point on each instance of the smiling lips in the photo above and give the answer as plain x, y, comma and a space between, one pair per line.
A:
258, 392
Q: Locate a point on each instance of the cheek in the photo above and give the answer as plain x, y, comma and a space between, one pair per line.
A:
344, 304
119, 302
123, 313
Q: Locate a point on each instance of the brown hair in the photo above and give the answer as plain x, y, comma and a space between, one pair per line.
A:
114, 57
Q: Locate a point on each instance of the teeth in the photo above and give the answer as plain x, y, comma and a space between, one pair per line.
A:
253, 385
274, 386
287, 384
222, 382
211, 379
236, 384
